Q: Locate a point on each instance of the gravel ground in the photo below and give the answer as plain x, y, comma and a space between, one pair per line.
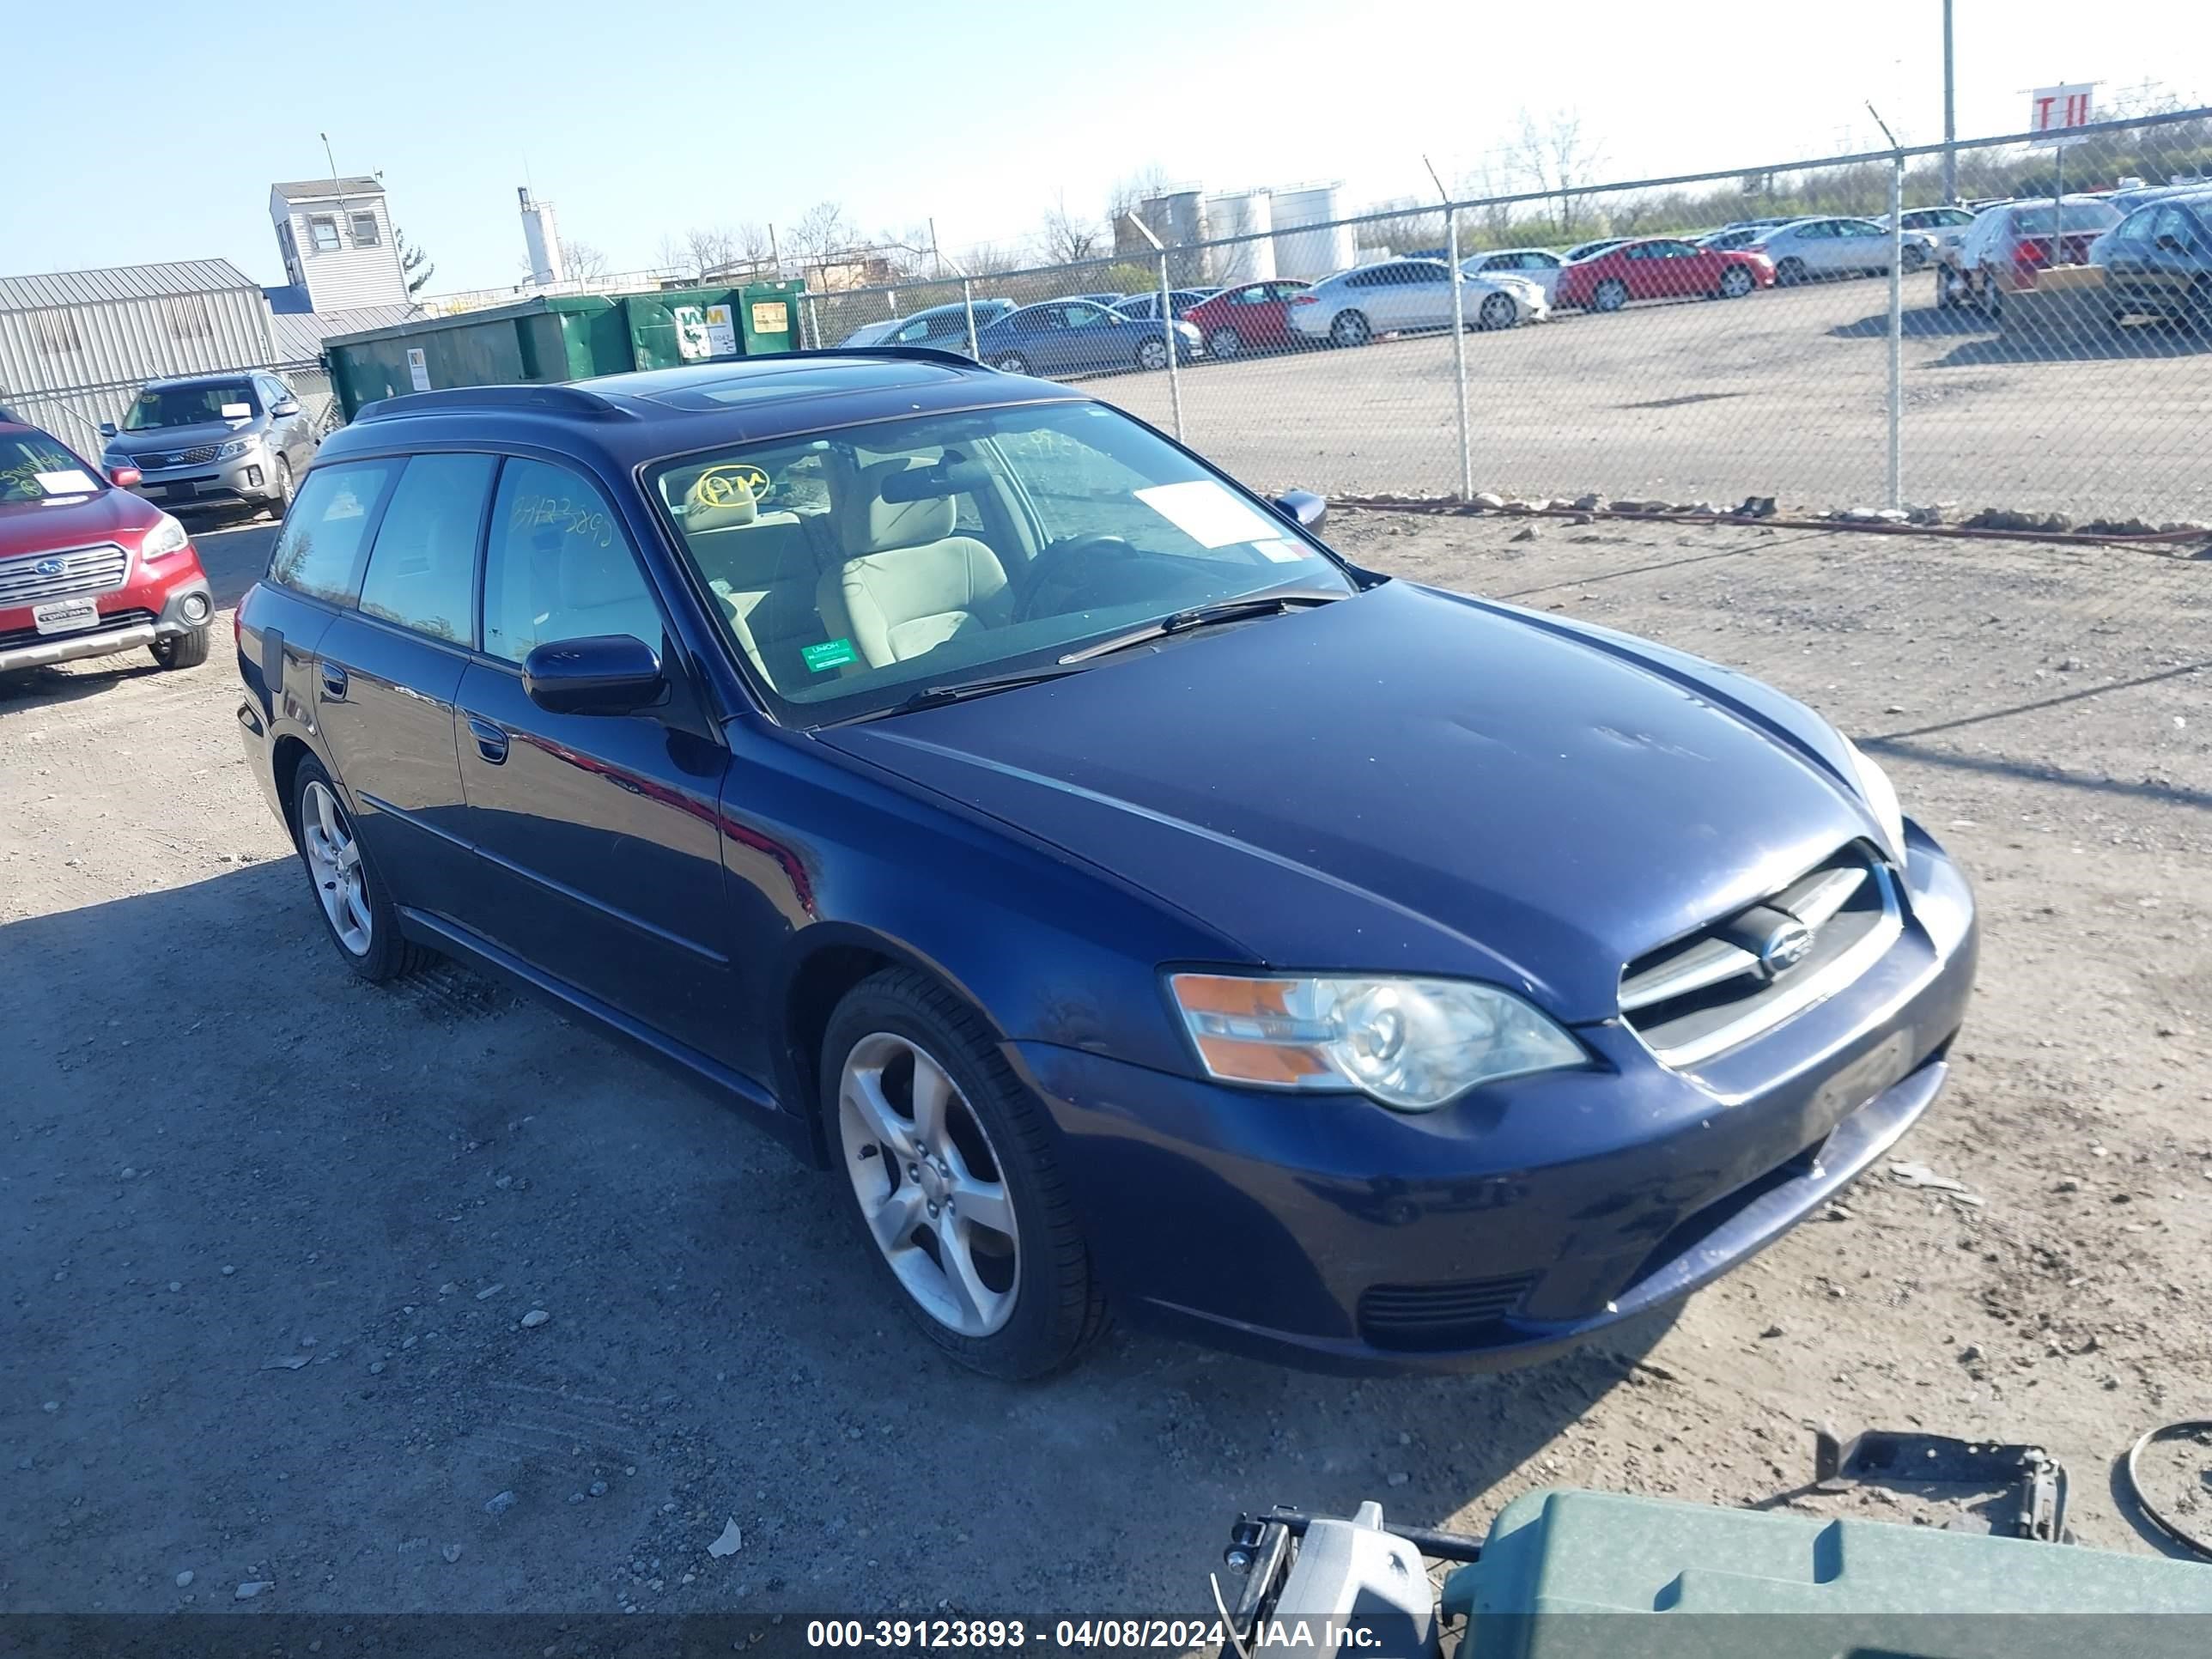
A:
276, 1242
1785, 393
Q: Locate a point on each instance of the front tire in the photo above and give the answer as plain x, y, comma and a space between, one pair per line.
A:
186, 650
278, 508
954, 1189
1497, 310
1790, 273
1735, 283
1350, 328
363, 926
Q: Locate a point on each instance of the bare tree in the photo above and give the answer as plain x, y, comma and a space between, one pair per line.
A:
1134, 190
821, 230
584, 261
1557, 157
1068, 238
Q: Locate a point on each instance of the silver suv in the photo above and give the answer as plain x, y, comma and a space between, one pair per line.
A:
214, 441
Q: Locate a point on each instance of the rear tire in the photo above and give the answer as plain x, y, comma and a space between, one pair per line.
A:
1223, 343
333, 858
1350, 328
1010, 363
1612, 294
994, 1141
187, 650
1152, 354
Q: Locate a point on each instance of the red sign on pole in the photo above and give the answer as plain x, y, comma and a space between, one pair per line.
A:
2054, 112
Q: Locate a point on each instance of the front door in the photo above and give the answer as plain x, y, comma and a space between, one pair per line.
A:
598, 833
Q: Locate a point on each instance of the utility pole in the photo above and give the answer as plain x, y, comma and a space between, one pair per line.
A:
1950, 117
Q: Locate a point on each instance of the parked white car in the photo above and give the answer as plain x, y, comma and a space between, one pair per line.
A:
1540, 265
1806, 248
1945, 225
1395, 296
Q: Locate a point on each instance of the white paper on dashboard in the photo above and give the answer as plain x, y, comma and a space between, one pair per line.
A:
1207, 514
69, 480
238, 411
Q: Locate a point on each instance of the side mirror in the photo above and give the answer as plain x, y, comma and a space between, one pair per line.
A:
107, 428
123, 477
287, 408
602, 674
1302, 508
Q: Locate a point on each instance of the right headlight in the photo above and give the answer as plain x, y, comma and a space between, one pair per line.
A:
1410, 1043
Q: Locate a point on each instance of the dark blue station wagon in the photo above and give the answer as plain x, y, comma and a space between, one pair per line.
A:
1140, 905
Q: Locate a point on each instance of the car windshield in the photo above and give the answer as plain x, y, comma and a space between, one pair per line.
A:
855, 569
35, 468
2073, 216
159, 406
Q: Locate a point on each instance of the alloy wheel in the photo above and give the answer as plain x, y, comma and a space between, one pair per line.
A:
1610, 295
1225, 343
334, 861
931, 1187
1497, 310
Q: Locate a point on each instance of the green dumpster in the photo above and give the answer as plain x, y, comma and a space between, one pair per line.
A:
1566, 1574
568, 337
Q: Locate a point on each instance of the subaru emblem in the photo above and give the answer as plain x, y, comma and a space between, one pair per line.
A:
1785, 947
49, 567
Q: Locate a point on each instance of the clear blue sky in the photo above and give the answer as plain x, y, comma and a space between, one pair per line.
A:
165, 134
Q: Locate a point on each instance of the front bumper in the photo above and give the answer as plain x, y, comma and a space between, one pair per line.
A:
1530, 1217
129, 617
249, 479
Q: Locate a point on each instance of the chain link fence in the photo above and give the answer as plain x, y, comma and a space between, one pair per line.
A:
1834, 335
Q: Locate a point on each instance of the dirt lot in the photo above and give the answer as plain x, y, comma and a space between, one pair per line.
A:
270, 1234
1784, 394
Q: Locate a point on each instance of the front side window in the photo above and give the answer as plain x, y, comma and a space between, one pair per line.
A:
160, 406
319, 551
422, 571
852, 569
558, 565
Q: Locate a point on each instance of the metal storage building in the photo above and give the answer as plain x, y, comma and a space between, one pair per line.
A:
76, 344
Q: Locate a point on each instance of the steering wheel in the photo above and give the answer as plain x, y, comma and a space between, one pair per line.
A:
1046, 569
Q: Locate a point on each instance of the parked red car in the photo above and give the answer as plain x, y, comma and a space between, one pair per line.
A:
1237, 320
1660, 268
87, 568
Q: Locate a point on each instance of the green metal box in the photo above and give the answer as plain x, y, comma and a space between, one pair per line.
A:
1566, 1574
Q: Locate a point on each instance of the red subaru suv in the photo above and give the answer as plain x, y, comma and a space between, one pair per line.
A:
87, 568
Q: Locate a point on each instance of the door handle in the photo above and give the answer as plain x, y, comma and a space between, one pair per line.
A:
492, 742
334, 682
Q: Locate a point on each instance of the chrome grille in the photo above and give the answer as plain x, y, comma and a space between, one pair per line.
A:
1746, 972
197, 455
28, 580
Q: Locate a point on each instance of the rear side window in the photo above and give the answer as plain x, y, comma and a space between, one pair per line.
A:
318, 552
422, 572
558, 567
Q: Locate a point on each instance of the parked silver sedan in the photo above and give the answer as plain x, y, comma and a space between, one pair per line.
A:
1806, 248
1396, 295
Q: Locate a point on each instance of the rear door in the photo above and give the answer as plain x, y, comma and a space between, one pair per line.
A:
2176, 260
598, 834
386, 671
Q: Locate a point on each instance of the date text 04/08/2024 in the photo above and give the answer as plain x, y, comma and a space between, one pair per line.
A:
1007, 1635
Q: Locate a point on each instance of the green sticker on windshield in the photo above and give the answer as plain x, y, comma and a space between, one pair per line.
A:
834, 654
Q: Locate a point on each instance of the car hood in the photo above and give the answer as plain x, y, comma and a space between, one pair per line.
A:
1408, 780
162, 438
72, 521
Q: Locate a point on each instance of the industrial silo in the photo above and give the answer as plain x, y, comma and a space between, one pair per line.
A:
1246, 213
1178, 219
1304, 248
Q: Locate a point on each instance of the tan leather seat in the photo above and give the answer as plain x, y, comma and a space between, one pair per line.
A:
908, 583
762, 566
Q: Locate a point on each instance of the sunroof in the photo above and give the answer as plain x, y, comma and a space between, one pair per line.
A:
765, 383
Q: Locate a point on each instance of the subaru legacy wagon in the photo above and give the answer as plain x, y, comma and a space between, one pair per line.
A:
1134, 905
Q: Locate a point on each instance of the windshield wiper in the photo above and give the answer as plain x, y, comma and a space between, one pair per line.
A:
930, 697
1206, 616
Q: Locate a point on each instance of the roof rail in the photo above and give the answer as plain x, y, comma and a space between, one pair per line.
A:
558, 399
907, 353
